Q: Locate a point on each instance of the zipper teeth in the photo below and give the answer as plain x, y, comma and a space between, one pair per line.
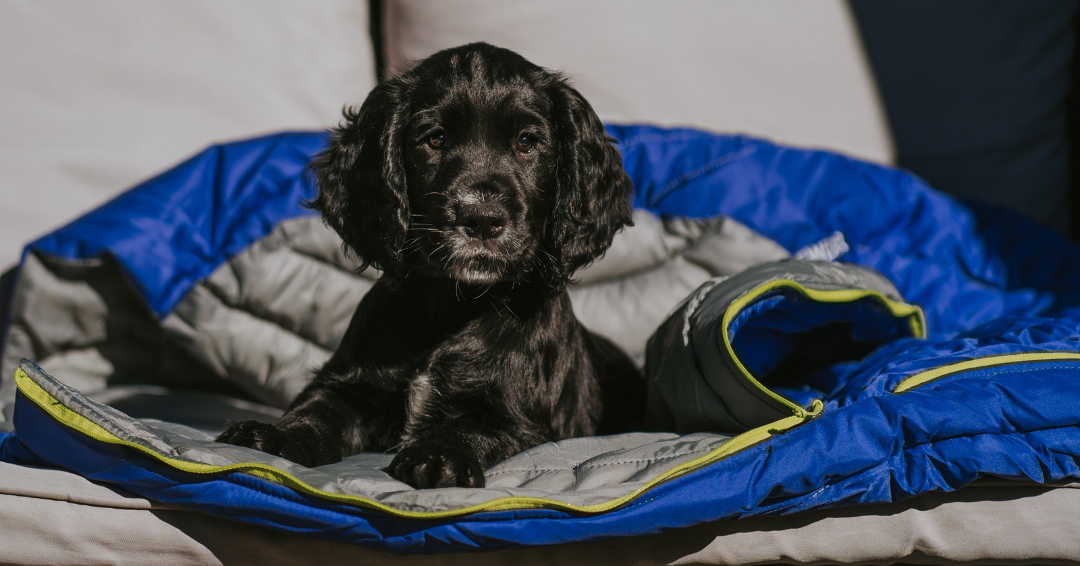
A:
922, 378
72, 420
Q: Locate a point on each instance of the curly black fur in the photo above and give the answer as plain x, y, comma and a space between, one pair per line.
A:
478, 183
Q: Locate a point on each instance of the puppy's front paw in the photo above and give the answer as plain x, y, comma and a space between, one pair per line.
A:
429, 466
254, 434
267, 438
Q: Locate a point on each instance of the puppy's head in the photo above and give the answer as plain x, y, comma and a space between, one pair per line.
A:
476, 166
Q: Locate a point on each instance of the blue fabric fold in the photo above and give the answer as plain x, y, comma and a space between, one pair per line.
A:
175, 229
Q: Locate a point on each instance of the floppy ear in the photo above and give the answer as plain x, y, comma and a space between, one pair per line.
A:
594, 192
361, 180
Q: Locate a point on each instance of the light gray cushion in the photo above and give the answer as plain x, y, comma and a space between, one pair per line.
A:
788, 70
97, 97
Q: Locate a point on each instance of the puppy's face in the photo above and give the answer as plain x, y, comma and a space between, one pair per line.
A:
476, 166
479, 159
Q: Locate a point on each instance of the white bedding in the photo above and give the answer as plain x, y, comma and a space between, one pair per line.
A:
54, 517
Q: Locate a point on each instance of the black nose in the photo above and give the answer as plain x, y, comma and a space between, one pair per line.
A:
483, 220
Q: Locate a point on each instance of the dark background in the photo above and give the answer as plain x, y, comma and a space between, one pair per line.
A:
982, 98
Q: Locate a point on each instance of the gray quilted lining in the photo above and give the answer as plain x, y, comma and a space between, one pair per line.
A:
264, 320
272, 314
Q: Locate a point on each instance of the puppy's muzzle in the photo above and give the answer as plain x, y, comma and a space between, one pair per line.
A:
482, 220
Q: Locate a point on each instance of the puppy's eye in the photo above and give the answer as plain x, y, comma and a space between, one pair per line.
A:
436, 140
525, 143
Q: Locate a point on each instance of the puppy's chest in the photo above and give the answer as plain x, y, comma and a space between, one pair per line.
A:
470, 367
467, 363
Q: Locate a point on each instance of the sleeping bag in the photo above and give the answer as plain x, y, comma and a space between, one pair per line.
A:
816, 332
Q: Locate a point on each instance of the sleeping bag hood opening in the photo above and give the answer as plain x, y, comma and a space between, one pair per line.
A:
769, 343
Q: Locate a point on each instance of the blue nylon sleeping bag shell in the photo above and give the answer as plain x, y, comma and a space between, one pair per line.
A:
991, 285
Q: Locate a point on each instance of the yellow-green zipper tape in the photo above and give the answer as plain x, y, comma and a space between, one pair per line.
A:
69, 418
922, 378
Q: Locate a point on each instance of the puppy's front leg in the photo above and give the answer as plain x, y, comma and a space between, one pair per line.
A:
455, 451
333, 417
312, 433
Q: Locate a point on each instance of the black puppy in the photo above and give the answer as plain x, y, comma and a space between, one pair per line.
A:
478, 183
